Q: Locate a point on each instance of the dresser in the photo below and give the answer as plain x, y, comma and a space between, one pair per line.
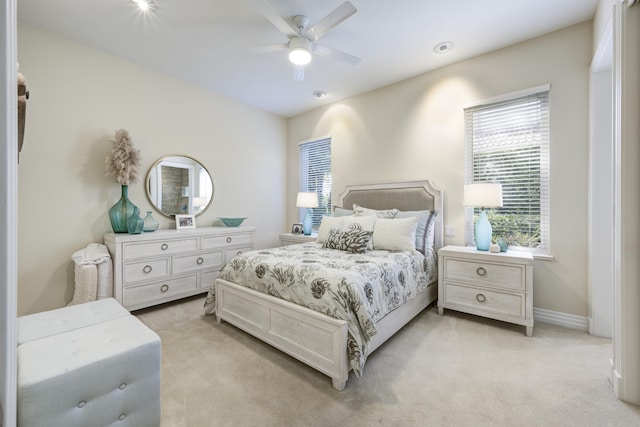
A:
494, 285
153, 268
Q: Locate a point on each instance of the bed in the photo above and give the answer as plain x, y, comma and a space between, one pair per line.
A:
334, 338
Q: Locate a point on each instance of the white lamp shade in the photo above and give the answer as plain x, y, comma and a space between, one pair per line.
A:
307, 200
484, 195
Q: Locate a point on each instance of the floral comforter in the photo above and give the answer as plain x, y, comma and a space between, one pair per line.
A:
359, 288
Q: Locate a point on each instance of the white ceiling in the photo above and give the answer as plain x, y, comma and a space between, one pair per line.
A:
215, 44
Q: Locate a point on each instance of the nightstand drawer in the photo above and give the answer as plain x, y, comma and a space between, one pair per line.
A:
510, 304
507, 276
197, 261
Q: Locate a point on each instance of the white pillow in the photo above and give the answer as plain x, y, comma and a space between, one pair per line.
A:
366, 222
362, 211
395, 234
328, 222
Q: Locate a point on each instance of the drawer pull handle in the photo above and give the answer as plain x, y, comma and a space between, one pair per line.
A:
200, 260
147, 269
164, 247
229, 239
481, 298
481, 271
239, 253
164, 288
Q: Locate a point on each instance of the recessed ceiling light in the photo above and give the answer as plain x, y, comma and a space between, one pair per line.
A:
146, 5
320, 94
443, 47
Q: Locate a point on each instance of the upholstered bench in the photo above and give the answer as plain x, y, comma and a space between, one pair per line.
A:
92, 364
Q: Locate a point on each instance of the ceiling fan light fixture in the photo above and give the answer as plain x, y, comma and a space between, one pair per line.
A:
146, 5
299, 50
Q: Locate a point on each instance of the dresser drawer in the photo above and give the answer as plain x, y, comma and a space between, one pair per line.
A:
505, 303
206, 260
507, 276
207, 279
159, 247
222, 241
159, 292
145, 270
236, 251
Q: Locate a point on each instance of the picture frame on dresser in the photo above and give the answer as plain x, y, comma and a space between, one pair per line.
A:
296, 229
184, 222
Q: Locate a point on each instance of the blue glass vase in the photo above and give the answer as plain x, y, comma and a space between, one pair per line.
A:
150, 223
483, 232
135, 223
307, 224
121, 211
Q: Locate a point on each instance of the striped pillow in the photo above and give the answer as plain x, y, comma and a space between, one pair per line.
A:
354, 239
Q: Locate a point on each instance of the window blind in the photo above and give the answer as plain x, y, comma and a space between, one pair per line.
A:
508, 142
315, 176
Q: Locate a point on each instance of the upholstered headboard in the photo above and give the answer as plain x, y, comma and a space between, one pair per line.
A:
406, 196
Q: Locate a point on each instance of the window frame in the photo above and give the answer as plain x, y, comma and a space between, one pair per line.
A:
544, 250
324, 196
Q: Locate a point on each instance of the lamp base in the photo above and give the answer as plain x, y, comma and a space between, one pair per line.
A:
483, 232
307, 224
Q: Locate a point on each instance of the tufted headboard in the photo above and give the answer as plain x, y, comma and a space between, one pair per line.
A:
406, 196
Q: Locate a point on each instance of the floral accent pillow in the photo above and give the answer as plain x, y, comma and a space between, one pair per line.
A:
354, 239
361, 211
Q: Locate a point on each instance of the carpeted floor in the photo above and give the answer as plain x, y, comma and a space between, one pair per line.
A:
454, 370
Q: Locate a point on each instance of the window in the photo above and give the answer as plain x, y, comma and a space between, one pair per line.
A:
315, 176
507, 141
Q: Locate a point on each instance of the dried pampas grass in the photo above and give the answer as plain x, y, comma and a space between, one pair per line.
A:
124, 159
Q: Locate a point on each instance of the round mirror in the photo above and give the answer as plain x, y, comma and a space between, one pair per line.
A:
179, 185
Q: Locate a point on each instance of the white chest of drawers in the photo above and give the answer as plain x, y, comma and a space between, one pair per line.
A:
494, 285
153, 268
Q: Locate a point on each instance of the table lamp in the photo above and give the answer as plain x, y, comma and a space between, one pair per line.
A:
307, 200
483, 195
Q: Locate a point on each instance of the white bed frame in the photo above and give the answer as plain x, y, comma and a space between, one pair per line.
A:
318, 340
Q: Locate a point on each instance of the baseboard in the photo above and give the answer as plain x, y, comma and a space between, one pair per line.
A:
570, 321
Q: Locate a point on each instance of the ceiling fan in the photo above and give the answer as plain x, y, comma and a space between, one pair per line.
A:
302, 37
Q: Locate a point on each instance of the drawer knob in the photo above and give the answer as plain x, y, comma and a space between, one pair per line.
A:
229, 239
481, 271
481, 298
199, 260
164, 288
147, 269
164, 247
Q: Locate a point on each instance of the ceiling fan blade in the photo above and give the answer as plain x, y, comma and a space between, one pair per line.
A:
270, 13
298, 72
270, 48
332, 53
338, 15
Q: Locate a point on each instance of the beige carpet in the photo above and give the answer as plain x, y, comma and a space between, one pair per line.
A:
454, 370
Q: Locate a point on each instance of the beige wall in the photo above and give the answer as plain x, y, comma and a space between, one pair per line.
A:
79, 98
415, 130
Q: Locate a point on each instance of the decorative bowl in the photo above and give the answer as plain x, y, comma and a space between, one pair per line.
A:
232, 222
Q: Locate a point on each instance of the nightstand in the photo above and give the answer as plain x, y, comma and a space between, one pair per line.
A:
494, 285
292, 239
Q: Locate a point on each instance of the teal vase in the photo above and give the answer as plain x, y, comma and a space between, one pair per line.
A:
150, 223
483, 232
135, 223
121, 211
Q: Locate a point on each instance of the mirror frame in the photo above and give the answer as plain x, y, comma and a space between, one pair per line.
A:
148, 179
